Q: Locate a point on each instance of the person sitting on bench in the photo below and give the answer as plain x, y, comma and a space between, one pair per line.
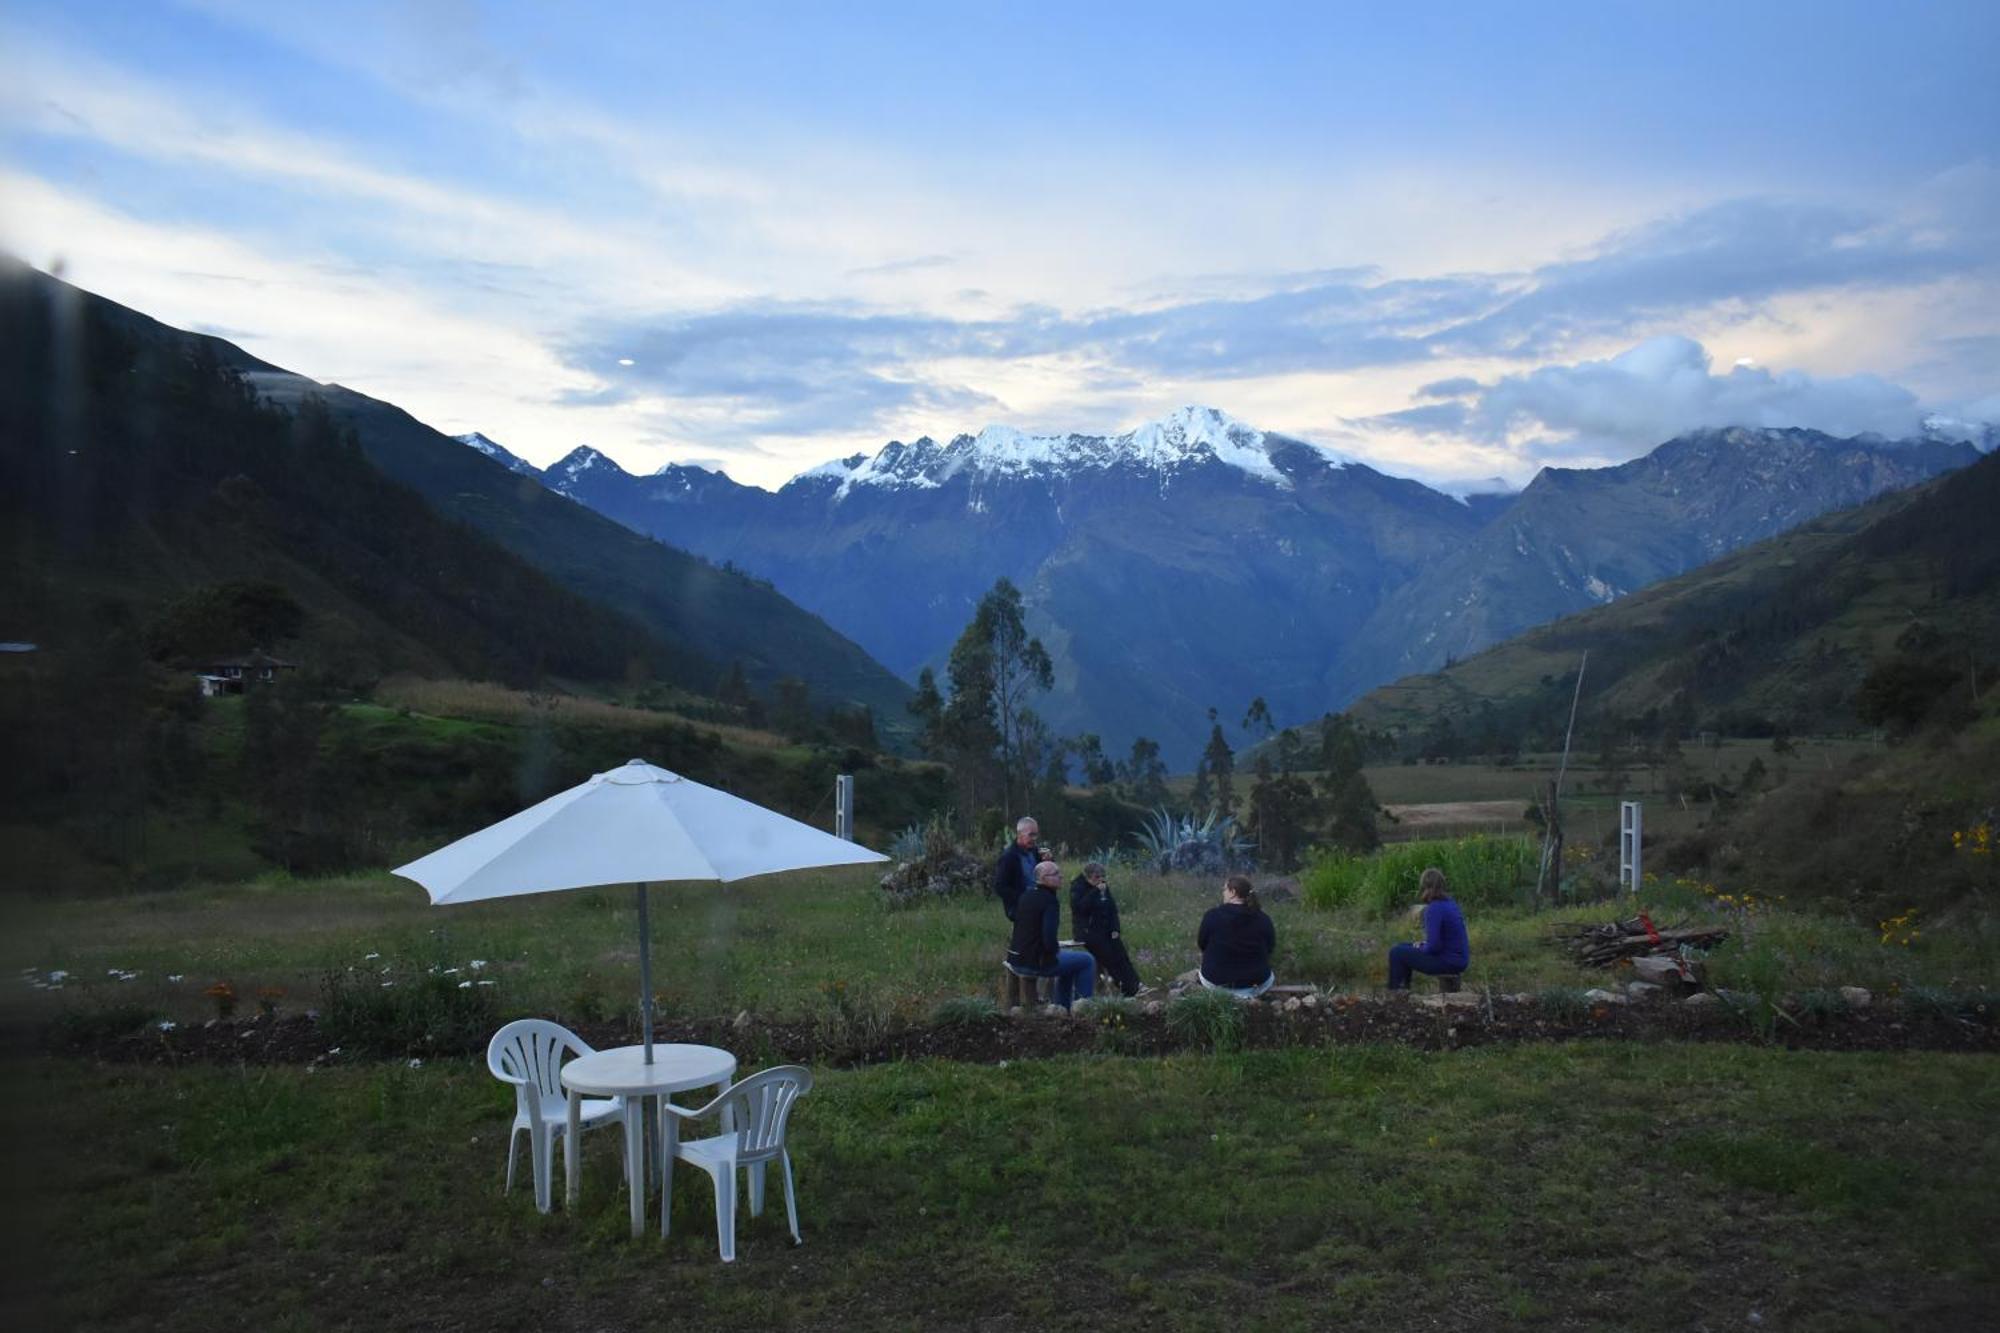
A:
1444, 950
1093, 915
1037, 949
1236, 939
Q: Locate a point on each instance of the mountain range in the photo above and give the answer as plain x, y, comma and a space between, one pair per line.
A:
1198, 562
1780, 635
556, 575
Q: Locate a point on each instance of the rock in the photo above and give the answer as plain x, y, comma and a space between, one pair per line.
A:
1642, 990
1293, 1005
1191, 977
1601, 996
1700, 1000
1658, 971
1857, 997
1280, 889
1452, 1000
1154, 1006
1309, 1001
742, 1020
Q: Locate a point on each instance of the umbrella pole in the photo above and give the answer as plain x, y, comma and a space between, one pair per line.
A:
645, 971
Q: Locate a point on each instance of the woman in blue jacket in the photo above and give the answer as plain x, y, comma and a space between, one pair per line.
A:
1445, 948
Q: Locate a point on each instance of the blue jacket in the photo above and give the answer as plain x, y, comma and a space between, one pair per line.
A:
1444, 933
1014, 875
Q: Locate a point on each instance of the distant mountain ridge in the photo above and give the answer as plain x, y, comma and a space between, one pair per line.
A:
1199, 562
699, 618
1778, 634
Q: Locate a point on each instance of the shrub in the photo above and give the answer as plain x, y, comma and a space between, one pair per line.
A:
938, 870
1185, 845
1563, 1002
1482, 872
1209, 1018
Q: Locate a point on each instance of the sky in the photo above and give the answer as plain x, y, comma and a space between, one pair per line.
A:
1455, 240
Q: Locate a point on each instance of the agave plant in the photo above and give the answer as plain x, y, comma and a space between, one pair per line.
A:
1208, 846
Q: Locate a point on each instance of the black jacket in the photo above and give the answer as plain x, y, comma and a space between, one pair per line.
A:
1037, 932
1093, 912
1014, 875
1236, 945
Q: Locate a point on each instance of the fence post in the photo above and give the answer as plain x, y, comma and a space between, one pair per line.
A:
1631, 837
843, 806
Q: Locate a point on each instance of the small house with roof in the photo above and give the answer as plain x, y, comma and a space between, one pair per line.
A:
232, 675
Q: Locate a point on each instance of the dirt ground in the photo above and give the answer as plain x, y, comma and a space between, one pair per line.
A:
1436, 819
1333, 1021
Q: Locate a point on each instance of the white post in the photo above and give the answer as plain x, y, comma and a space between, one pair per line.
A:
843, 806
1631, 836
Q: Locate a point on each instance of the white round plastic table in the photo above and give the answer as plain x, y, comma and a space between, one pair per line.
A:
622, 1071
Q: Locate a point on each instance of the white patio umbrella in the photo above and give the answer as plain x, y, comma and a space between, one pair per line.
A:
637, 825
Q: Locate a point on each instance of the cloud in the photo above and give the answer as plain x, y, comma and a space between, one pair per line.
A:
910, 265
1734, 256
1625, 404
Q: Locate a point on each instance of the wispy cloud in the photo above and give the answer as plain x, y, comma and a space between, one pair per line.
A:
1610, 409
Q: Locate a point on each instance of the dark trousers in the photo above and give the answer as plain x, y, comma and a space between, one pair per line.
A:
1407, 958
1113, 961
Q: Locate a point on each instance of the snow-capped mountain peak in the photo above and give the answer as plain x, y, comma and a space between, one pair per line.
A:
1188, 436
575, 463
499, 453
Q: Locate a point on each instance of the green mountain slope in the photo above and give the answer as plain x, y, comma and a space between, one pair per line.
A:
1780, 634
135, 469
704, 615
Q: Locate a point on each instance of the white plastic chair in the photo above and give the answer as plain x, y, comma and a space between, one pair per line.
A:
529, 1053
754, 1113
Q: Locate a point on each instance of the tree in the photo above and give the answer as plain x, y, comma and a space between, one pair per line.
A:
1098, 771
1258, 716
927, 707
1281, 806
791, 708
734, 688
1898, 694
1145, 773
1218, 761
996, 666
225, 618
1349, 800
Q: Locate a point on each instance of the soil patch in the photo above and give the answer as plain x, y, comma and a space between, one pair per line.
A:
1334, 1021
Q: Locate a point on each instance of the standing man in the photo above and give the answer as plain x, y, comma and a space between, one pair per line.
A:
1014, 875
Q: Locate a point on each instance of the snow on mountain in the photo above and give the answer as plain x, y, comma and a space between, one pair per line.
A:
1188, 436
1981, 435
1464, 488
575, 463
497, 452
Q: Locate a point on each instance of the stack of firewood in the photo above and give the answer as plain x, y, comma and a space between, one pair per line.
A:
1602, 943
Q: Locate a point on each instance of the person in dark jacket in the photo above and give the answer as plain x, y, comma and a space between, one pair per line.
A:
1236, 941
1445, 947
1037, 948
1014, 873
1093, 919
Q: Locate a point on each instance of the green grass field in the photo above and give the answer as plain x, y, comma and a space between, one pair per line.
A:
1662, 1187
775, 946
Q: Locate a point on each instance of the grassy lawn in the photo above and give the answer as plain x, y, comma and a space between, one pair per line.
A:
1534, 1186
774, 946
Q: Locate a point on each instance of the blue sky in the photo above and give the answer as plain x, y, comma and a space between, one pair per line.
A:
1457, 240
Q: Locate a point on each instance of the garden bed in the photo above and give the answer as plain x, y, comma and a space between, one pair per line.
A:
1118, 1029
